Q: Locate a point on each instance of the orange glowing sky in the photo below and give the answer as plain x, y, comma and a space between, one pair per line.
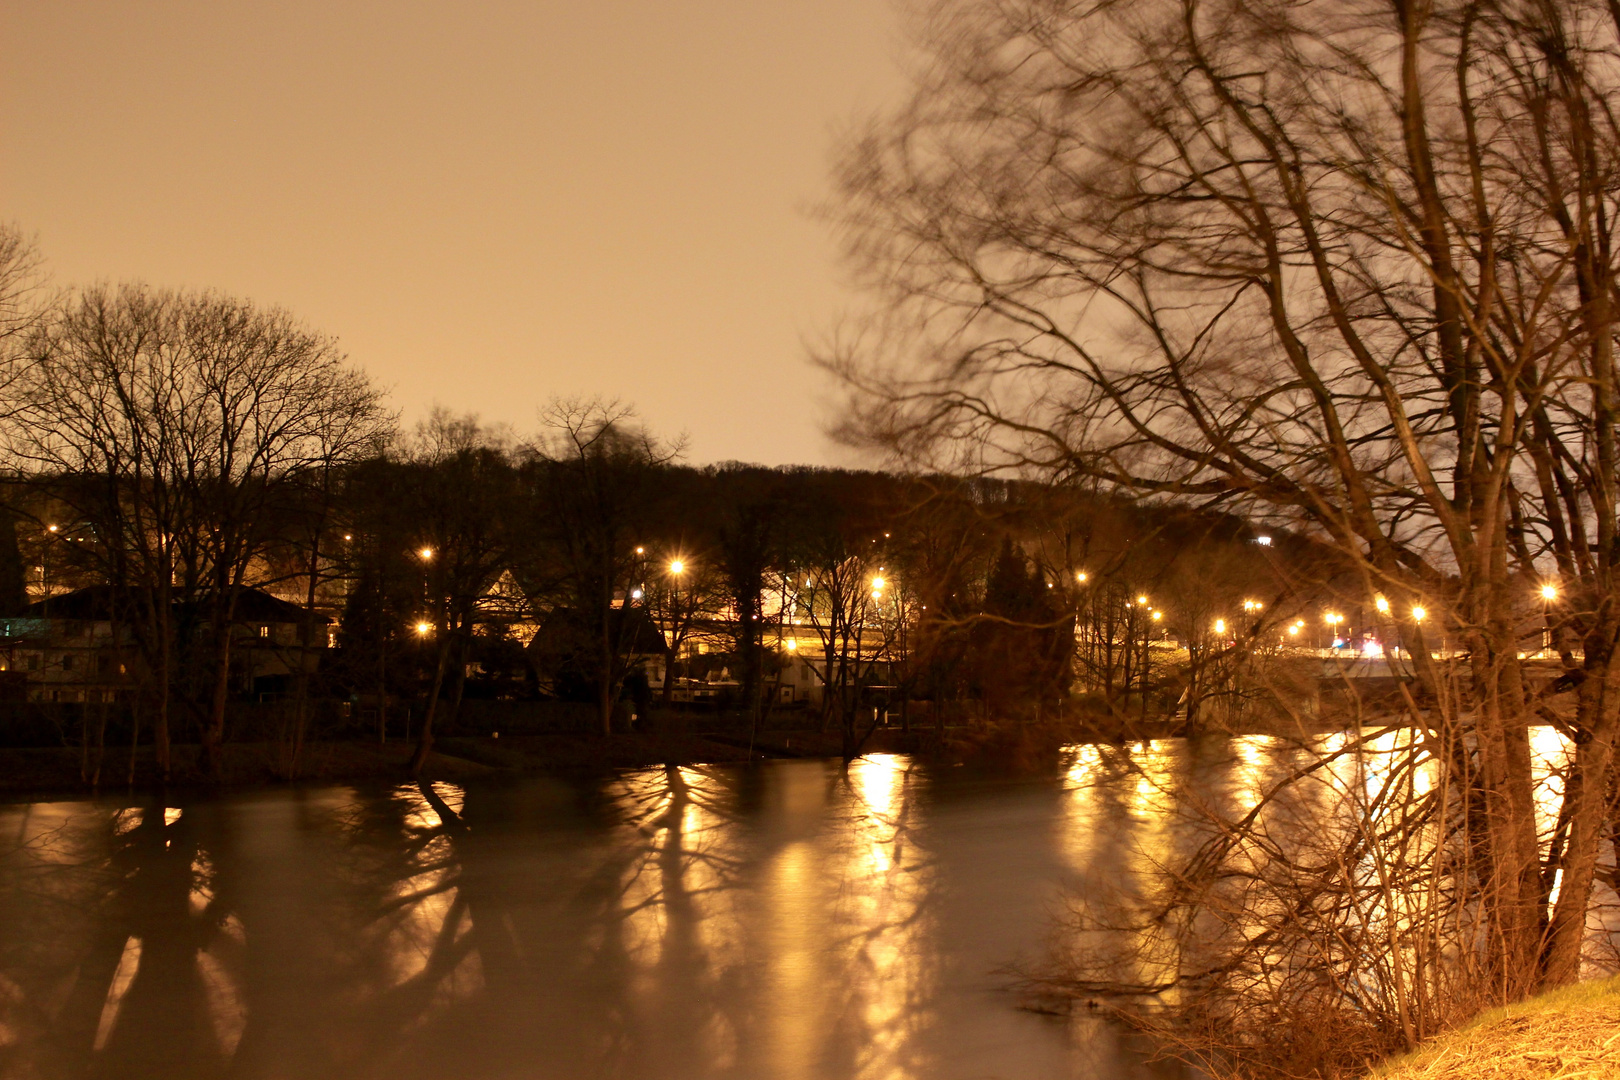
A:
489, 202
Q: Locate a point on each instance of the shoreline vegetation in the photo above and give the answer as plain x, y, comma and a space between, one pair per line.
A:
30, 774
1572, 1033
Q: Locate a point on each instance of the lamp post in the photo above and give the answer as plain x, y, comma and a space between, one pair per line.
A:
45, 568
1549, 593
1333, 619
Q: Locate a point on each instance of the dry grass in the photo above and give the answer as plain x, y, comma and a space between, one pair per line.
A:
1570, 1034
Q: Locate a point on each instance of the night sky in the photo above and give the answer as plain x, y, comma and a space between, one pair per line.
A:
489, 203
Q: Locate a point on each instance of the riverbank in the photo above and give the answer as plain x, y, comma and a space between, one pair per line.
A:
28, 774
1570, 1034
46, 773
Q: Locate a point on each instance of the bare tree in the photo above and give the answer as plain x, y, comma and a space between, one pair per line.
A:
1346, 265
171, 424
458, 478
589, 486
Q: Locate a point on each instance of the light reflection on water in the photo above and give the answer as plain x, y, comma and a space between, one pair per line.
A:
798, 920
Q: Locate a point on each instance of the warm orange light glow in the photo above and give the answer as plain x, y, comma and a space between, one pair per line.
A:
877, 583
1549, 592
1382, 604
51, 527
1220, 626
1080, 577
423, 629
677, 567
1418, 613
425, 554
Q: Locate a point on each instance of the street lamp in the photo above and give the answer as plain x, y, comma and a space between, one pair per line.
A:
1220, 626
676, 566
1382, 604
425, 554
1418, 613
423, 629
1549, 593
1080, 577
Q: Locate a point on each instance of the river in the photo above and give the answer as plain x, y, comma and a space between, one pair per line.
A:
791, 921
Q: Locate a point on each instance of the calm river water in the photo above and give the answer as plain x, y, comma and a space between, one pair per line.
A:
793, 920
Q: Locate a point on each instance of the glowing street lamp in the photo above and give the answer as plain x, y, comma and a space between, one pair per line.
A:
1548, 592
52, 528
1158, 615
1142, 600
425, 554
877, 584
676, 566
423, 629
1382, 604
1220, 626
1418, 613
1080, 577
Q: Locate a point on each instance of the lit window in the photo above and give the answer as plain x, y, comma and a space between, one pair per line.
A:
264, 631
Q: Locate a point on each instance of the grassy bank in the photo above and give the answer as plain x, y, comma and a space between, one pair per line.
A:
1570, 1034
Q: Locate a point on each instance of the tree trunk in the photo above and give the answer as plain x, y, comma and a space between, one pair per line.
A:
666, 695
1587, 797
424, 734
160, 723
214, 731
604, 687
